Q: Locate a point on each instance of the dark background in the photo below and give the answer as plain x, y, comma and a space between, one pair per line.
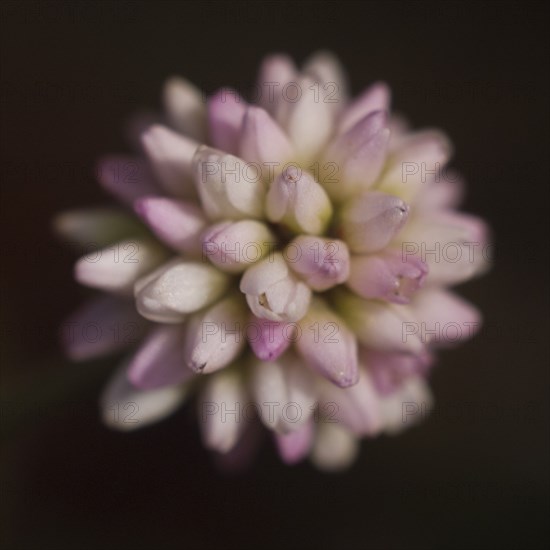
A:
475, 475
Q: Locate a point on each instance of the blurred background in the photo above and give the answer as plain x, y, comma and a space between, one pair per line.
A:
474, 475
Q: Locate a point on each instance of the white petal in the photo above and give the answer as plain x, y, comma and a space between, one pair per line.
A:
117, 267
126, 408
227, 189
186, 107
221, 406
215, 337
170, 155
334, 448
177, 288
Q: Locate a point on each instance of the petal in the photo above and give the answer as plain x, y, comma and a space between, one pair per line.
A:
407, 406
177, 288
226, 188
170, 155
375, 98
273, 293
234, 246
103, 325
117, 267
334, 448
221, 417
284, 393
297, 200
444, 317
159, 361
125, 177
186, 107
226, 110
420, 157
389, 370
269, 339
357, 408
322, 263
259, 277
96, 226
126, 408
176, 223
379, 325
370, 221
294, 446
387, 276
326, 68
328, 346
215, 337
454, 246
276, 72
306, 116
262, 141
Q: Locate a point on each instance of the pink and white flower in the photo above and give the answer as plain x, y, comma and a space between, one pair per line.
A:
288, 262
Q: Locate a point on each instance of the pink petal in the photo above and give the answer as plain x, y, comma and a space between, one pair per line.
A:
370, 221
101, 326
295, 446
389, 370
171, 155
269, 339
262, 141
445, 318
159, 361
275, 72
127, 178
328, 345
322, 263
387, 276
375, 98
226, 111
176, 223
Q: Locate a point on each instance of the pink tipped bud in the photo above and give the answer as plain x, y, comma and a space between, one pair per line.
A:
387, 276
322, 263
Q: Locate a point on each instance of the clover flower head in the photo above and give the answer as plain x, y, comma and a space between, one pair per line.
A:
286, 263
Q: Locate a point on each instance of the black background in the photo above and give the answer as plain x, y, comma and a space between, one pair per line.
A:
474, 475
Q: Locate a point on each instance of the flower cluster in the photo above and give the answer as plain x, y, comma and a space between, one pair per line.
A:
287, 265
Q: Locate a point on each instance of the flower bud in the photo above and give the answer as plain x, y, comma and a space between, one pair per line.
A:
170, 155
117, 267
159, 361
226, 110
375, 98
284, 392
334, 447
177, 288
214, 337
127, 408
328, 345
356, 408
380, 325
227, 187
234, 246
220, 412
297, 200
321, 263
269, 339
262, 140
387, 276
176, 223
360, 154
185, 108
273, 293
369, 222
295, 446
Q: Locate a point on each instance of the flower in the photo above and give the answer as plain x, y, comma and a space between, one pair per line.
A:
286, 262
